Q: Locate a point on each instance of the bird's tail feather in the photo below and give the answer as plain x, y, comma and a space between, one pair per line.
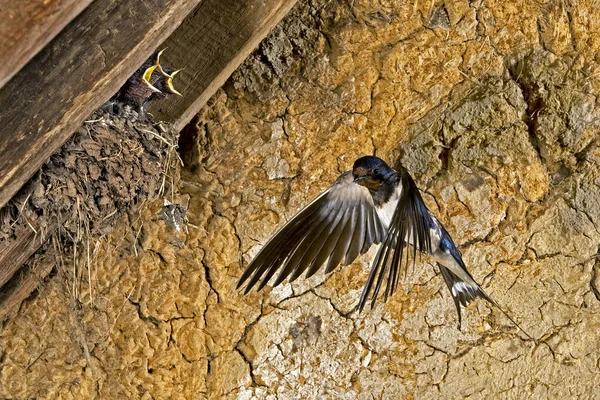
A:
463, 293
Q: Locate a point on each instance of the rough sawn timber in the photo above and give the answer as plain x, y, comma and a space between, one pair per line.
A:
30, 279
27, 26
13, 253
209, 46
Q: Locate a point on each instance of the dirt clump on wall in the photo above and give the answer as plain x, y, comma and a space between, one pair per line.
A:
491, 106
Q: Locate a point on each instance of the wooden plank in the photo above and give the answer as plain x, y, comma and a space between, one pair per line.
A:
14, 252
209, 46
75, 74
27, 26
15, 292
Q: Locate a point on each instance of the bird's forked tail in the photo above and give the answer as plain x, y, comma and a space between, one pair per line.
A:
464, 293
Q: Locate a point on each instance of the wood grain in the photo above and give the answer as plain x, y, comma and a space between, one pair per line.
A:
14, 252
75, 74
27, 26
209, 45
18, 282
22, 286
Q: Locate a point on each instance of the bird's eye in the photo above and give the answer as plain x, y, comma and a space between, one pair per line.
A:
376, 171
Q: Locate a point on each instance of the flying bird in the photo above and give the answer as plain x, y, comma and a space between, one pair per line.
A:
372, 204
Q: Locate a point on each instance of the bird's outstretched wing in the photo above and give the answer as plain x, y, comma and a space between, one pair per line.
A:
337, 226
411, 223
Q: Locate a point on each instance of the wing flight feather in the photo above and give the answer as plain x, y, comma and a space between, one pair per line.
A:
332, 227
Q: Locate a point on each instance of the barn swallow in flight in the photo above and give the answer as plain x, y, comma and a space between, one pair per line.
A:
372, 204
150, 82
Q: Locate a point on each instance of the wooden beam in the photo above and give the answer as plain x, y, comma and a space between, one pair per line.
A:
74, 75
14, 252
27, 26
22, 286
209, 46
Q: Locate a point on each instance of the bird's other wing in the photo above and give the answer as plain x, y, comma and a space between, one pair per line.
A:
337, 226
410, 223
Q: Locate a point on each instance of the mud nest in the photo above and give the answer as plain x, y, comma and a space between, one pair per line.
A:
106, 171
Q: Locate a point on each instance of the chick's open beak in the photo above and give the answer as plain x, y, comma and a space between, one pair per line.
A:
169, 78
146, 78
170, 83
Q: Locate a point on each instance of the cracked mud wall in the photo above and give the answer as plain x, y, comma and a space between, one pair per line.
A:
492, 107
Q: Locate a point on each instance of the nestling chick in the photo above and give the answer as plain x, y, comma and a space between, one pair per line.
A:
149, 83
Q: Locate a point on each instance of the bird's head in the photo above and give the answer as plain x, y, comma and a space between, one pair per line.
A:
371, 172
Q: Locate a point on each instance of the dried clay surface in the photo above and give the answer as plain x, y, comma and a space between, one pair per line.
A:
491, 105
